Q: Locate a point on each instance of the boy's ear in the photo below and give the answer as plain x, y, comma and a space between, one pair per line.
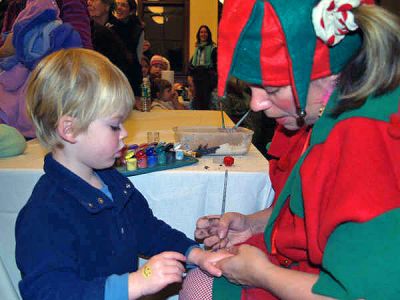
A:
65, 129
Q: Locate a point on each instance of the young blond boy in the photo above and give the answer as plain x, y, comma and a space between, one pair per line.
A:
80, 233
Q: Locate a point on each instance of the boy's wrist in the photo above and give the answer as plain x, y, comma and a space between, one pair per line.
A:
134, 286
193, 256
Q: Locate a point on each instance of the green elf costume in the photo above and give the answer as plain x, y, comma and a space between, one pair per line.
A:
337, 215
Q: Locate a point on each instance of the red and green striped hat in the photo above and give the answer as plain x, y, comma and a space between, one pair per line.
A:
274, 43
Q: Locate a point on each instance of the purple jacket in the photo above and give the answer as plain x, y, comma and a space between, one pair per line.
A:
38, 31
73, 12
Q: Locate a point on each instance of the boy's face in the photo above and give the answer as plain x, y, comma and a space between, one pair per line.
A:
99, 145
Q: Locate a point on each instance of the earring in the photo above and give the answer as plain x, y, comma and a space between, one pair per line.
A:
321, 111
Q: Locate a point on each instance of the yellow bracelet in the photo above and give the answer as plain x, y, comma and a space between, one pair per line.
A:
146, 271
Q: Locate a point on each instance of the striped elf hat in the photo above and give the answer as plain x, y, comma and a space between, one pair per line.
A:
274, 43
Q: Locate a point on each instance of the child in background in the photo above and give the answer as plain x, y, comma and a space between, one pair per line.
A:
158, 63
81, 232
165, 96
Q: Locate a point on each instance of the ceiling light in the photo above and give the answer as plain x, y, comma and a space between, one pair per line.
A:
156, 9
158, 19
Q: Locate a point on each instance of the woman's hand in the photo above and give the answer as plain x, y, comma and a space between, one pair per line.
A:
223, 231
247, 267
160, 271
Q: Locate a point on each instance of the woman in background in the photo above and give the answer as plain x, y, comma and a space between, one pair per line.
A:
205, 54
203, 69
127, 25
109, 43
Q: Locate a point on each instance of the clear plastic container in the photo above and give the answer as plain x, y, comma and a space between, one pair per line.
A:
214, 140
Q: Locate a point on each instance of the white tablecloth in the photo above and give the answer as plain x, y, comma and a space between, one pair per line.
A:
178, 196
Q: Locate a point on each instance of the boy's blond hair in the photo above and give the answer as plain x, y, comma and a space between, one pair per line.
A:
79, 83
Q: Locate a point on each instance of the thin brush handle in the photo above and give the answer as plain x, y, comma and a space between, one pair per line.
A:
242, 119
224, 193
222, 116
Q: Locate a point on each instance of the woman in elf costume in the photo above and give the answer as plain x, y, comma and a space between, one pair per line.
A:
329, 72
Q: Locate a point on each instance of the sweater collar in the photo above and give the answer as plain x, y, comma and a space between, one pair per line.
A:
91, 198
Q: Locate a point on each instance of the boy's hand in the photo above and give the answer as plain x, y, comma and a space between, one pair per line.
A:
207, 260
162, 269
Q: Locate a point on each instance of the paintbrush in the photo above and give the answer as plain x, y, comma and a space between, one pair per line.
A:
223, 205
222, 115
242, 119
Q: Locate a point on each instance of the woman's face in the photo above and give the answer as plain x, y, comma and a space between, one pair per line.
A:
122, 9
97, 8
203, 34
278, 102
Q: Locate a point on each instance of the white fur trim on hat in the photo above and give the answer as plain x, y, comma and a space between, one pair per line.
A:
158, 59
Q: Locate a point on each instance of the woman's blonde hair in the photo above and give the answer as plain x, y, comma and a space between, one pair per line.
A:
375, 70
79, 83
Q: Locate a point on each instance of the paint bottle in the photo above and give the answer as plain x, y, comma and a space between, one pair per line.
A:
131, 164
161, 155
151, 160
141, 159
179, 154
170, 157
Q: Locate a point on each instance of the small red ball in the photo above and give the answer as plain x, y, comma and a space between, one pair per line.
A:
228, 161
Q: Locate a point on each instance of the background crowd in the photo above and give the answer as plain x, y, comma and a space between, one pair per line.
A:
113, 28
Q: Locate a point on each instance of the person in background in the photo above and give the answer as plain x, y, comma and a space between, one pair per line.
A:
336, 99
127, 25
203, 83
158, 63
37, 31
147, 49
145, 62
104, 35
190, 87
165, 96
81, 231
73, 12
100, 11
203, 69
205, 54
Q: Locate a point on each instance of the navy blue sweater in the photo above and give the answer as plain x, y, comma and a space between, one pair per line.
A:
70, 236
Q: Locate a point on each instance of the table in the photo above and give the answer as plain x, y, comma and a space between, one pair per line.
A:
182, 195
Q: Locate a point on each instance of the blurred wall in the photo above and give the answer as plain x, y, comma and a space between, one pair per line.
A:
392, 5
202, 12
